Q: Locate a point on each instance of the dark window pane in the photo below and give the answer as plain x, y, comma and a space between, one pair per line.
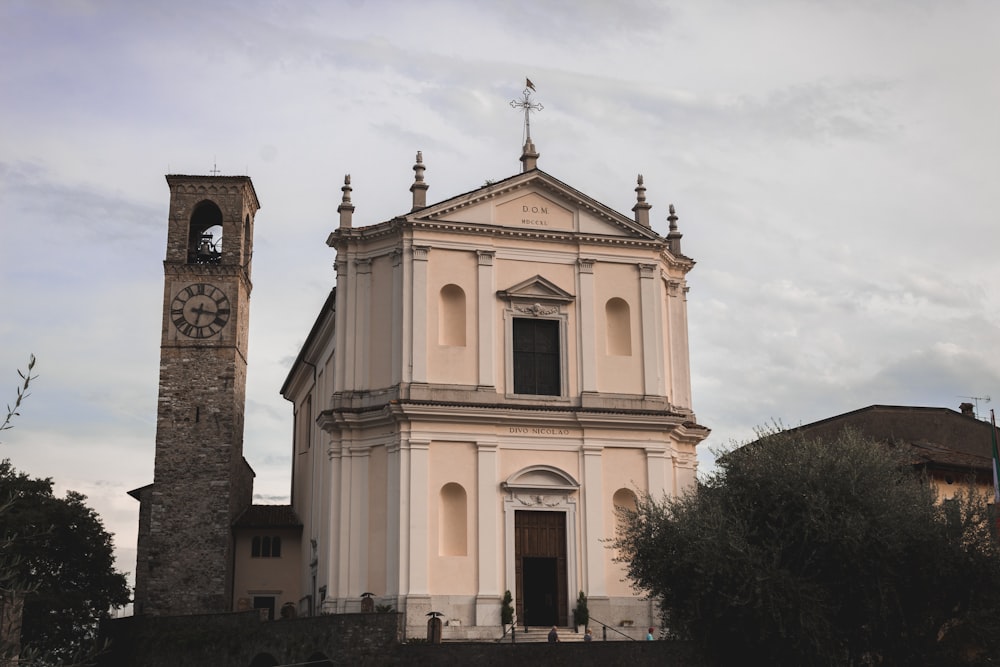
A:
276, 547
536, 356
255, 548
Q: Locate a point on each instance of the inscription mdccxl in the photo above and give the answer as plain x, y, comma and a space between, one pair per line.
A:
537, 430
534, 210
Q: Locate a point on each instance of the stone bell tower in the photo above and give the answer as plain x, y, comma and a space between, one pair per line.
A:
201, 481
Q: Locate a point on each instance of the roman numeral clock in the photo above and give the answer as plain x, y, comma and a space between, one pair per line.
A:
200, 310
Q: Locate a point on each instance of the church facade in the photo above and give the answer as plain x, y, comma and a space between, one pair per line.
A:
492, 375
490, 378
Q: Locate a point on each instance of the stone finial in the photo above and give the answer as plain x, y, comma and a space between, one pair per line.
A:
419, 188
346, 208
673, 236
529, 156
641, 208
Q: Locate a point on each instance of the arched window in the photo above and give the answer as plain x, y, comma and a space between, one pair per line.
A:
205, 234
451, 316
624, 499
453, 521
247, 241
619, 327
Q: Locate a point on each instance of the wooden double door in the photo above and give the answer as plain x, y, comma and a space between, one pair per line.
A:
540, 568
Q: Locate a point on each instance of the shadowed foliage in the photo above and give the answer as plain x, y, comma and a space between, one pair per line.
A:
61, 549
821, 553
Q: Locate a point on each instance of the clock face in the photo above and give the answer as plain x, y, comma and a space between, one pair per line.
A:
200, 310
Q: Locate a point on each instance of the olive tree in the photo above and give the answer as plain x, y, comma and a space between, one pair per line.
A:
817, 552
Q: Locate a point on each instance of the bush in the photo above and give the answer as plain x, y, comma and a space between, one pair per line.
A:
821, 553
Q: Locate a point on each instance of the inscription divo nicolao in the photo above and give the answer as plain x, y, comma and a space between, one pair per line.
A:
537, 430
200, 310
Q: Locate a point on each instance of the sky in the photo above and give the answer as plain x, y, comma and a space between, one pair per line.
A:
834, 167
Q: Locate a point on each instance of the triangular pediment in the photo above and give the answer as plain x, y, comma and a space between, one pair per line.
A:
534, 201
537, 289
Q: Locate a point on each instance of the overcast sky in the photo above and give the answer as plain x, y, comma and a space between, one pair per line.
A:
834, 166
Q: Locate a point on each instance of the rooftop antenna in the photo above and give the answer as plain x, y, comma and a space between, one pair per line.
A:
975, 400
528, 106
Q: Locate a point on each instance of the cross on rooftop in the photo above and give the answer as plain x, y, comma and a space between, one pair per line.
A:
528, 106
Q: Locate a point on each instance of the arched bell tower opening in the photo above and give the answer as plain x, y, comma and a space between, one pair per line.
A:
205, 234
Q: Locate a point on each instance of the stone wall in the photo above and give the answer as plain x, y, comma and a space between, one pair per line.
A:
244, 640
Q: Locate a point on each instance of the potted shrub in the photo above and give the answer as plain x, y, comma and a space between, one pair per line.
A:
506, 610
581, 615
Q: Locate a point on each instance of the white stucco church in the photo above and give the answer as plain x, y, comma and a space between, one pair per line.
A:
490, 377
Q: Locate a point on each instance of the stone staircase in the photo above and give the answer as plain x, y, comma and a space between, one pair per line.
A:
541, 635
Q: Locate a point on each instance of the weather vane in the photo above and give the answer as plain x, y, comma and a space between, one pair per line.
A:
528, 106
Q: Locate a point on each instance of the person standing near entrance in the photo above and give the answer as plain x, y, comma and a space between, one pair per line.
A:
649, 635
553, 635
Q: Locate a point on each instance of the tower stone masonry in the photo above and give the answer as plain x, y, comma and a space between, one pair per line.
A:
201, 481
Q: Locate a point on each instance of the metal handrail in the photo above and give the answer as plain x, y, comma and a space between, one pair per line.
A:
605, 627
513, 633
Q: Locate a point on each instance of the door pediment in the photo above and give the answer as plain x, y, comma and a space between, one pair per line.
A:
541, 479
536, 288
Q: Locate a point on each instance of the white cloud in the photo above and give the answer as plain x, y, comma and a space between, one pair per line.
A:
832, 166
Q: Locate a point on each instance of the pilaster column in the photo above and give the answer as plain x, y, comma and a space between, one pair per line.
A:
418, 332
340, 300
652, 384
588, 326
362, 323
486, 305
392, 517
359, 523
344, 546
397, 318
680, 373
419, 539
487, 521
659, 473
403, 549
593, 499
330, 534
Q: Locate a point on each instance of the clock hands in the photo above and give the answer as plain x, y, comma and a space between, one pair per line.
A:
200, 310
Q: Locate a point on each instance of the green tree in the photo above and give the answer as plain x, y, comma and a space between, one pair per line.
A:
804, 552
63, 550
12, 587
